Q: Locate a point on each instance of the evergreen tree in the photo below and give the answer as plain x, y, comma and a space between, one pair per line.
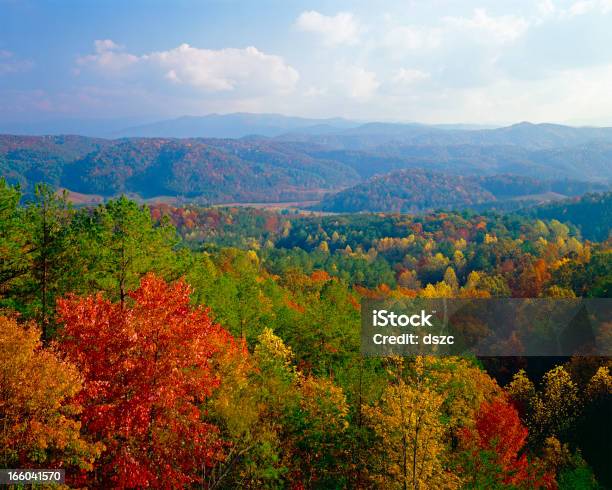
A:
50, 256
13, 239
121, 244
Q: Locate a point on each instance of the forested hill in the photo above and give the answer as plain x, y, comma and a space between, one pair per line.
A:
251, 364
259, 169
418, 190
212, 170
589, 161
592, 214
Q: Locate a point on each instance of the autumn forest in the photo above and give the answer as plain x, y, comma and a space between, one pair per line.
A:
168, 347
306, 245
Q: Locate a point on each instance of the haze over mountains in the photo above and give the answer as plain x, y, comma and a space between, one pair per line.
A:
236, 126
345, 132
271, 158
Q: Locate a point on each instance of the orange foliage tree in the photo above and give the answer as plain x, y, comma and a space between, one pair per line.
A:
148, 367
495, 450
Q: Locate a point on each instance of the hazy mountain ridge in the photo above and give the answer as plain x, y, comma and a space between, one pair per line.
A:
235, 125
337, 132
305, 164
343, 133
371, 136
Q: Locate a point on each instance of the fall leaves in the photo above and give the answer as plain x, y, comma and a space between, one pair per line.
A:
39, 406
412, 442
150, 392
494, 450
141, 385
147, 368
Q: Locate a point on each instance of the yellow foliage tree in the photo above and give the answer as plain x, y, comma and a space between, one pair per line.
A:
450, 278
464, 387
248, 407
550, 411
408, 422
439, 290
600, 384
37, 408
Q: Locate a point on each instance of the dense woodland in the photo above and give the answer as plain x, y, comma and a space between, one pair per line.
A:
219, 348
459, 168
592, 213
414, 190
211, 170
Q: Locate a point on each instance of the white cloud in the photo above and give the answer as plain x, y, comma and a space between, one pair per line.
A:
341, 28
9, 63
551, 99
224, 70
503, 29
574, 96
361, 83
109, 57
546, 8
412, 38
103, 45
583, 7
314, 91
405, 76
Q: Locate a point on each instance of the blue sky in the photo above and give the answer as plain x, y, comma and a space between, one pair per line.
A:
431, 61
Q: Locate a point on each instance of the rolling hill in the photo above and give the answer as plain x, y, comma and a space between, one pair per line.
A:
28, 160
210, 170
588, 161
591, 213
416, 190
304, 165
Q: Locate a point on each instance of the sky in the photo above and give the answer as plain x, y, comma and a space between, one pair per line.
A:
430, 61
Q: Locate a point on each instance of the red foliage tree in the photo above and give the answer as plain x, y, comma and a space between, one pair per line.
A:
499, 431
148, 367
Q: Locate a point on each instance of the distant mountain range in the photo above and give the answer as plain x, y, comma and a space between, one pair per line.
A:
272, 158
397, 136
338, 133
236, 125
92, 127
